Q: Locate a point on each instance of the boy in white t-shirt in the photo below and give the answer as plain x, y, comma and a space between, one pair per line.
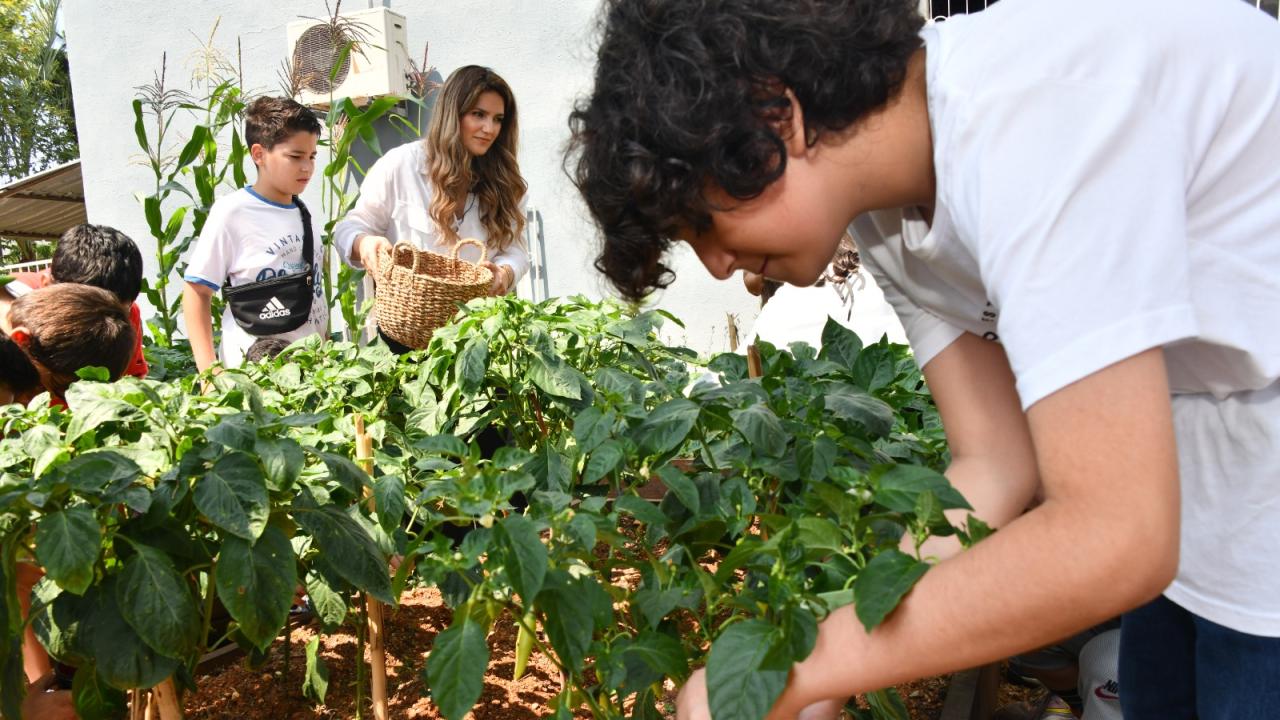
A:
256, 233
1093, 303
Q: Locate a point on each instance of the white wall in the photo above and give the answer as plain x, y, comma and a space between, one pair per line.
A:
542, 47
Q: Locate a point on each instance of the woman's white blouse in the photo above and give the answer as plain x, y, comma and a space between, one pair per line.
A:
393, 203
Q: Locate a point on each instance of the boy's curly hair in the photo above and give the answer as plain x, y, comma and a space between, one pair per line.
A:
100, 256
688, 92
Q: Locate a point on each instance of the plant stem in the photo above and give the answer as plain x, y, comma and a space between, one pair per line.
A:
207, 620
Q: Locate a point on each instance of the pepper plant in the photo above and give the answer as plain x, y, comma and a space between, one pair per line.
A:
647, 511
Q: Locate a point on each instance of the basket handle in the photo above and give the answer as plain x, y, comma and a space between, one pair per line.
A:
484, 249
387, 260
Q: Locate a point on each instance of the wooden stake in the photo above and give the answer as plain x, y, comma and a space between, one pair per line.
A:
377, 648
377, 661
754, 368
137, 701
165, 697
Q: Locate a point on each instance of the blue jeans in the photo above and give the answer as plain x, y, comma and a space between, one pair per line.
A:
1175, 664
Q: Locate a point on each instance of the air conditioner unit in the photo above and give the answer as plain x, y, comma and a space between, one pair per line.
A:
375, 66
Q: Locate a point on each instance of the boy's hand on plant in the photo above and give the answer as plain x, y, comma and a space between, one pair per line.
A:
369, 250
692, 703
44, 702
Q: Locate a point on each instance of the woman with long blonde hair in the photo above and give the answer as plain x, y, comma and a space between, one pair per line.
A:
461, 181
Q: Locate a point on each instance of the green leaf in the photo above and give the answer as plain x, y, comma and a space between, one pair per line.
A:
345, 472
840, 344
441, 445
58, 624
604, 460
643, 510
388, 494
327, 602
818, 533
94, 373
67, 545
93, 698
549, 468
337, 535
815, 457
976, 530
555, 378
316, 682
174, 226
193, 146
762, 429
568, 617
233, 495
682, 487
91, 405
590, 428
667, 426
100, 471
887, 704
472, 363
124, 660
875, 367
139, 127
527, 557
43, 444
737, 689
659, 653
849, 403
256, 583
455, 668
157, 603
151, 211
882, 583
234, 433
283, 460
655, 603
900, 486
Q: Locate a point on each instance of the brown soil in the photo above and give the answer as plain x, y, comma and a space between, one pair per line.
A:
239, 693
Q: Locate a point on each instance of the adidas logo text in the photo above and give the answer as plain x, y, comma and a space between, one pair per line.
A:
274, 309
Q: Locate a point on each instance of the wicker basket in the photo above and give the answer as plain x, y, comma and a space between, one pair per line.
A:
419, 291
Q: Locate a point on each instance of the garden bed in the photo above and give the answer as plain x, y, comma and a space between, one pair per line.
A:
264, 693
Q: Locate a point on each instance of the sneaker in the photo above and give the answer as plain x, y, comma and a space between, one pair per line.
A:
1049, 707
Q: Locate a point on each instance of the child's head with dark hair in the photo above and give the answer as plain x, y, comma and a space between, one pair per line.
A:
265, 349
269, 121
100, 256
66, 327
282, 135
690, 96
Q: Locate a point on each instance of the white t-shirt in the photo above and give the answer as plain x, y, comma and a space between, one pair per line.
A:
798, 314
393, 202
1107, 182
247, 238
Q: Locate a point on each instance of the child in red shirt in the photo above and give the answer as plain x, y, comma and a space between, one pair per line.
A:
102, 257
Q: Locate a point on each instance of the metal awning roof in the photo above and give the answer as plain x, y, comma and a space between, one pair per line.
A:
44, 205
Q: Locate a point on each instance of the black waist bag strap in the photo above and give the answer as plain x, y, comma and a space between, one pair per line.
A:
281, 304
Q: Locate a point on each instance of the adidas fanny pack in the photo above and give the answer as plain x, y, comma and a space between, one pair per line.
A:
281, 304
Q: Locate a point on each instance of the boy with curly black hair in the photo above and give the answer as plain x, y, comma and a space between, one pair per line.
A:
1092, 299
